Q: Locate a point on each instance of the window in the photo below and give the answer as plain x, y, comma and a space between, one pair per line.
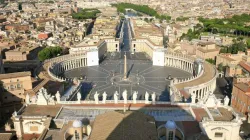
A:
11, 87
17, 80
76, 135
18, 85
218, 135
249, 107
170, 135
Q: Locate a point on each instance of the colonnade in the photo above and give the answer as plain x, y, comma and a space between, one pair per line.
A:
58, 65
197, 91
179, 63
203, 90
59, 68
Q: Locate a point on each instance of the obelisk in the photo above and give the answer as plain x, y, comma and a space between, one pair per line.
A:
125, 67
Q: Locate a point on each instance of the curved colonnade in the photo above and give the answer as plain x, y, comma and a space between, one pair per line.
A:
58, 65
197, 86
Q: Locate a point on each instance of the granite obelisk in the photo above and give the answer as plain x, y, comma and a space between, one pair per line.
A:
125, 67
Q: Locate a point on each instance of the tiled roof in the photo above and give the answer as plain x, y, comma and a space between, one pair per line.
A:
245, 66
200, 113
14, 75
38, 110
243, 86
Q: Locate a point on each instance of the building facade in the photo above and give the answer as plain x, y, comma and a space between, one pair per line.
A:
241, 98
14, 85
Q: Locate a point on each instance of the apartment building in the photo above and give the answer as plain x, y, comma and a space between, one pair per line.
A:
241, 97
207, 50
14, 85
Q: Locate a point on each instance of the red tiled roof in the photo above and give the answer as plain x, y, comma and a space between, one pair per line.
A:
30, 136
191, 127
200, 113
245, 66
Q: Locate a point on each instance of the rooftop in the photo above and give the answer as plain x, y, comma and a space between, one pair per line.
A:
36, 110
209, 73
243, 87
123, 126
14, 75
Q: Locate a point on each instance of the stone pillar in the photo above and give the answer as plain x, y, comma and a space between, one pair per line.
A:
125, 67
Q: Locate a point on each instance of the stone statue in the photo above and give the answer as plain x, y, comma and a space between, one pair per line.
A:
7, 127
104, 97
79, 96
42, 97
58, 96
27, 99
96, 98
116, 97
15, 113
226, 101
75, 81
124, 95
193, 97
172, 98
52, 100
89, 129
146, 97
134, 97
153, 97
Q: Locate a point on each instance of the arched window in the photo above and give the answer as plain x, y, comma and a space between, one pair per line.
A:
170, 135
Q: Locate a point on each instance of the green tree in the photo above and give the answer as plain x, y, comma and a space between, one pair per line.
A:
86, 14
140, 8
248, 43
220, 67
49, 52
20, 6
211, 61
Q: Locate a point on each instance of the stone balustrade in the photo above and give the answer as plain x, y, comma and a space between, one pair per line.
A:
199, 85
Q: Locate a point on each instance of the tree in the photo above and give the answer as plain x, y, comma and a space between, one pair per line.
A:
20, 6
248, 43
50, 52
211, 61
140, 8
220, 67
90, 13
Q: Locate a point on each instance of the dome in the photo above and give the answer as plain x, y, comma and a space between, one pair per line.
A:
77, 123
170, 125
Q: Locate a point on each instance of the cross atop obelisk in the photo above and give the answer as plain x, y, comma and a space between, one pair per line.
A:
125, 67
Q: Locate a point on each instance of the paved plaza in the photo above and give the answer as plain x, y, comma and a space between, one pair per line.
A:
147, 77
142, 75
